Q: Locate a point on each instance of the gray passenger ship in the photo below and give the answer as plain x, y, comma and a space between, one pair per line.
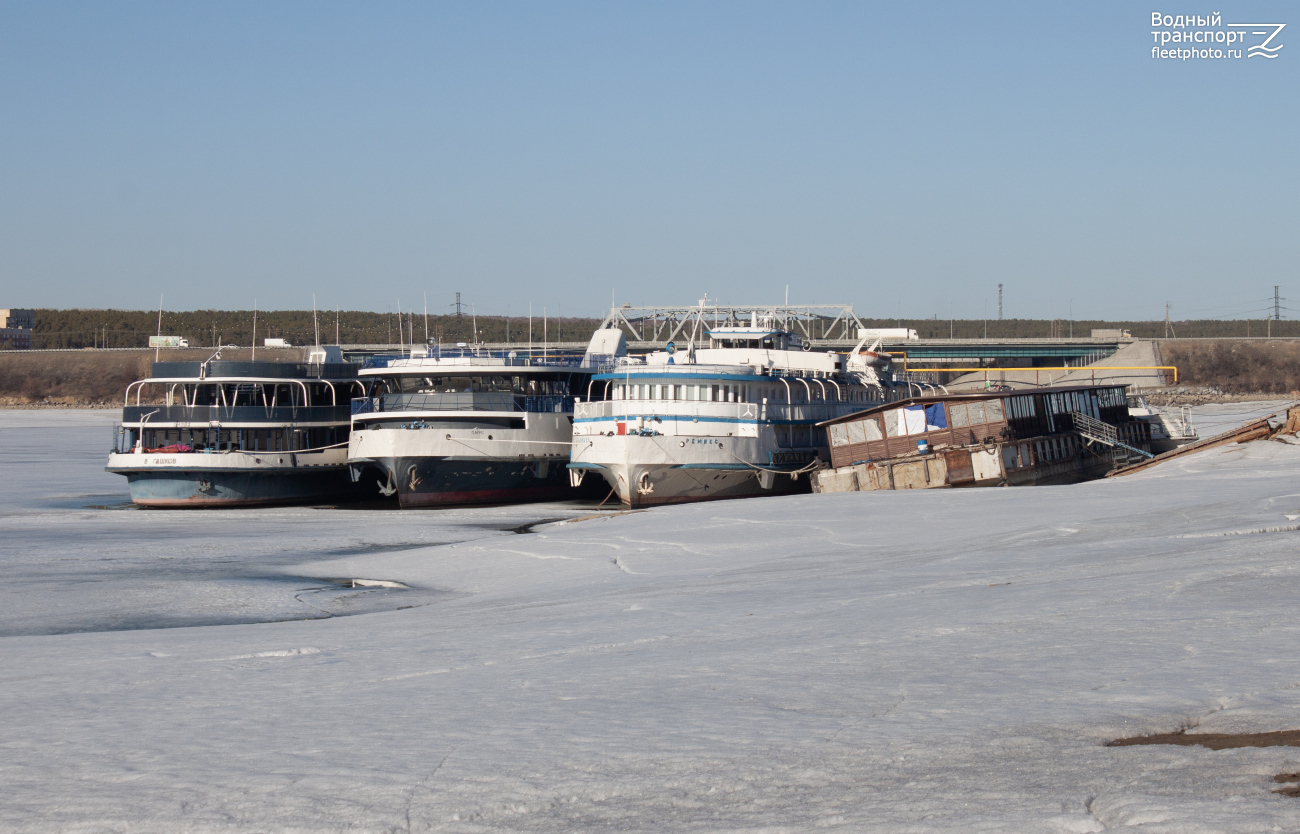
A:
232, 434
473, 427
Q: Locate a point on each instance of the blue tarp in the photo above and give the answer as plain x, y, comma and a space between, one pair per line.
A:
935, 418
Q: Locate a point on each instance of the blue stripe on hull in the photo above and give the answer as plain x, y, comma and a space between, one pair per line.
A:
426, 482
179, 488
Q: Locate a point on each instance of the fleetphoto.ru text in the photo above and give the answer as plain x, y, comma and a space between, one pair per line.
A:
1209, 38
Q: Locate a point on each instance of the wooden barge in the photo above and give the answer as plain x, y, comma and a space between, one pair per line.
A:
1006, 438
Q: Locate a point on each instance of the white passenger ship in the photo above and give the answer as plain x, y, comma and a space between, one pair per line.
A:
469, 428
730, 420
231, 434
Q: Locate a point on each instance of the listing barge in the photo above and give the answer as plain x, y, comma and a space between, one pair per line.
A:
238, 434
1039, 436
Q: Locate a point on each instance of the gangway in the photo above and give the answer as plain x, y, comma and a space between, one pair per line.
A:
1094, 431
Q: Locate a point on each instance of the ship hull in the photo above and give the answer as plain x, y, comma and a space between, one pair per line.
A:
236, 479
225, 488
656, 470
460, 459
454, 481
653, 486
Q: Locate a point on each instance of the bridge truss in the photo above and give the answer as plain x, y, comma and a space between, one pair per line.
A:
645, 326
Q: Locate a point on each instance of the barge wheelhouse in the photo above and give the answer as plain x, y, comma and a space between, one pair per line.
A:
731, 420
471, 428
229, 434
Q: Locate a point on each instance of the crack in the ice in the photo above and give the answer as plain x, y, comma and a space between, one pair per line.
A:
410, 798
894, 706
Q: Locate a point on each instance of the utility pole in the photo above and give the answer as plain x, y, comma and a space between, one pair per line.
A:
1277, 311
999, 302
158, 349
457, 304
1168, 324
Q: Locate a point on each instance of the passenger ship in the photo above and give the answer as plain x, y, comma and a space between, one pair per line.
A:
730, 420
469, 428
231, 434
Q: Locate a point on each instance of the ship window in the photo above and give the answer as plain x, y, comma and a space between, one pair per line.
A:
856, 433
958, 416
993, 410
839, 436
976, 413
871, 428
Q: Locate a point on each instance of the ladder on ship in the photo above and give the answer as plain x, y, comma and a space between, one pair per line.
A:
1094, 432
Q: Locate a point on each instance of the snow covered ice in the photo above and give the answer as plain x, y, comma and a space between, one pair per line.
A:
945, 660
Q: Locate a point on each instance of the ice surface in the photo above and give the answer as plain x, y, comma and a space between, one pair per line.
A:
897, 661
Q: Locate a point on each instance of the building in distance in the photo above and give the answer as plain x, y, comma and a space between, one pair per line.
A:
16, 329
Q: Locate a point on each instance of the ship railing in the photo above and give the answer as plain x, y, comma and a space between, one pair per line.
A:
468, 401
235, 414
767, 412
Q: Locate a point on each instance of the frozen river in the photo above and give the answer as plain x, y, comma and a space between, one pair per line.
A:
949, 660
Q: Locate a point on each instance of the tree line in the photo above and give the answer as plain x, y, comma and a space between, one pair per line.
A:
209, 328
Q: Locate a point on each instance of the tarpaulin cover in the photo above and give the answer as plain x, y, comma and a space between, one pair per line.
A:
934, 417
914, 419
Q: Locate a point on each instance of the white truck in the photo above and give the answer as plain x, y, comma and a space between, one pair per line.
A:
888, 334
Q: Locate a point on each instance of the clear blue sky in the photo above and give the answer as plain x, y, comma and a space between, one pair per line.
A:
901, 157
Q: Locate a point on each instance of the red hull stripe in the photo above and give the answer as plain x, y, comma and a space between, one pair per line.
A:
485, 496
